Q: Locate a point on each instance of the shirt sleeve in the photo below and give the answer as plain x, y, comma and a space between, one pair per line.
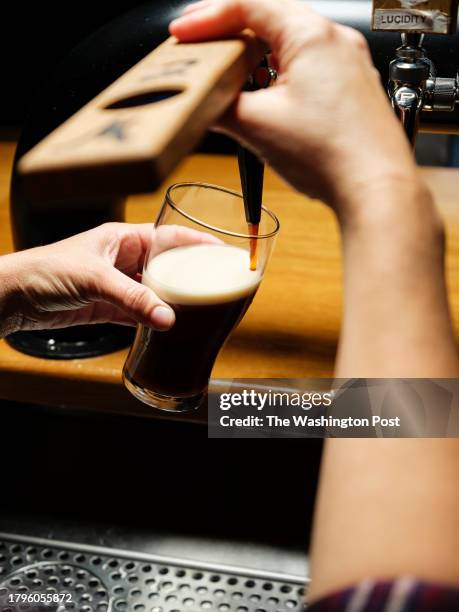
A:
402, 595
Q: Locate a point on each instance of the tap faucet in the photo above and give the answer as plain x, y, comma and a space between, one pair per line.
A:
413, 83
408, 75
414, 87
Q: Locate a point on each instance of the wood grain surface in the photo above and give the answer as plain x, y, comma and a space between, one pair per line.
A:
290, 331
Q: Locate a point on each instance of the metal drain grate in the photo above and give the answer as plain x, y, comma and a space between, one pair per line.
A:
94, 579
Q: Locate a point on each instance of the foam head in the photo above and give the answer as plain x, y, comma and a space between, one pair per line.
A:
201, 274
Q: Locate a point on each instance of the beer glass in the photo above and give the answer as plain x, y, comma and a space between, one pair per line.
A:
199, 263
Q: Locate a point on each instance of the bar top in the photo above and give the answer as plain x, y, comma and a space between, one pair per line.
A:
292, 327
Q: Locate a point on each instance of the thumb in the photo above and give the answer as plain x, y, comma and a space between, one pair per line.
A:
138, 301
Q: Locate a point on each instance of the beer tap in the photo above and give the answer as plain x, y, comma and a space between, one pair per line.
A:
408, 76
413, 84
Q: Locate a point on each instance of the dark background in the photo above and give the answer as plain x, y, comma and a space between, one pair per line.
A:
35, 37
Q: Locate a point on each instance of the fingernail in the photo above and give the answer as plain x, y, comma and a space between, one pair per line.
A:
163, 317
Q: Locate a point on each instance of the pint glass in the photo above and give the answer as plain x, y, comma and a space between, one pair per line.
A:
206, 277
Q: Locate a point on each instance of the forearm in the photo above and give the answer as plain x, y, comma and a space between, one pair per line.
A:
386, 508
396, 321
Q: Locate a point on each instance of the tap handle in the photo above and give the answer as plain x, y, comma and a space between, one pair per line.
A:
128, 138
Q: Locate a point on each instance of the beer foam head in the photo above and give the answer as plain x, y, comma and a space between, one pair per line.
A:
201, 274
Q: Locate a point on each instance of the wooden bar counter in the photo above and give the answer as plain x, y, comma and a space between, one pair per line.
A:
292, 328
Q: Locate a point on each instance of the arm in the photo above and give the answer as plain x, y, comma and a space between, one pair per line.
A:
396, 319
388, 508
385, 508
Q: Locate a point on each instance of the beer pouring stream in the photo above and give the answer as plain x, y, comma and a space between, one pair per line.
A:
251, 170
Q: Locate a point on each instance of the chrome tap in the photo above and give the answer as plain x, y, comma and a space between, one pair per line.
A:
413, 84
414, 87
408, 76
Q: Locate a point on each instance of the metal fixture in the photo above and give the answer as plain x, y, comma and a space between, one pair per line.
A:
96, 579
414, 87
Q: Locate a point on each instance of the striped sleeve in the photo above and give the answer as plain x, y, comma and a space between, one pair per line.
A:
402, 595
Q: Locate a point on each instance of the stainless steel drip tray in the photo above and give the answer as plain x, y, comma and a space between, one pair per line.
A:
41, 575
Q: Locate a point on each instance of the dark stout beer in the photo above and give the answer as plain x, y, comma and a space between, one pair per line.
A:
210, 288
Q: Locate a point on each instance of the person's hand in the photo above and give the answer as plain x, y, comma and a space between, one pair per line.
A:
326, 126
92, 277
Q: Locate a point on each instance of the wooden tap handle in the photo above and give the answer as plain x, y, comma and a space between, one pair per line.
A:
130, 136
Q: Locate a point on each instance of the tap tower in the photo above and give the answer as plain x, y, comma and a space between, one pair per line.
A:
413, 85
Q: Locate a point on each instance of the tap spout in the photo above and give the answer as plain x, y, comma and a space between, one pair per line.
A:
408, 76
407, 103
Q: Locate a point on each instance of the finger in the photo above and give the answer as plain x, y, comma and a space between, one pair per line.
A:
245, 119
134, 242
127, 243
136, 300
267, 18
123, 245
172, 236
144, 232
140, 234
354, 37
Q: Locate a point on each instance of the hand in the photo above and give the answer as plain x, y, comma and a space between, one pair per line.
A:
326, 126
92, 277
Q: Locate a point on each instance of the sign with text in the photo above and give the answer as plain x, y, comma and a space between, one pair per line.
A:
430, 16
334, 408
